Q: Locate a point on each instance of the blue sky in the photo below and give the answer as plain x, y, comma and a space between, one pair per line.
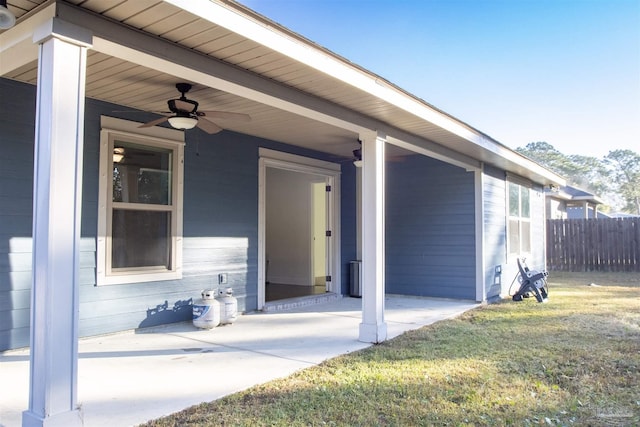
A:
562, 71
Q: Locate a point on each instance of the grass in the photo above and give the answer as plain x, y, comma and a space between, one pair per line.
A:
572, 361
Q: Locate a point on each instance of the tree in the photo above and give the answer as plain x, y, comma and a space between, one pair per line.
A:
624, 166
545, 154
585, 172
590, 173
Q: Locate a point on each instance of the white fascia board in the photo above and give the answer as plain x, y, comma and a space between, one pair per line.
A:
260, 31
542, 174
560, 195
222, 15
17, 47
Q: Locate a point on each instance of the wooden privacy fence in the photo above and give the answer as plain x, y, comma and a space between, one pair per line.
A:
602, 244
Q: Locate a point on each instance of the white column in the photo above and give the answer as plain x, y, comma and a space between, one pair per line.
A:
373, 327
56, 225
586, 210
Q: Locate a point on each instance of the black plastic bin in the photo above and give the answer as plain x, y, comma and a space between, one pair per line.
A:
355, 278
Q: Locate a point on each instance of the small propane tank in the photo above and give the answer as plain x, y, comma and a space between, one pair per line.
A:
228, 307
206, 311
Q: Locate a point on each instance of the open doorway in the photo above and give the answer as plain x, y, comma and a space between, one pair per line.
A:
298, 228
295, 234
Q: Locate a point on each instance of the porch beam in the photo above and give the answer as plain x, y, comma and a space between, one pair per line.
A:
56, 224
435, 151
17, 48
373, 328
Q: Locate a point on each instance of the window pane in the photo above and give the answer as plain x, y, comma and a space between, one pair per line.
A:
525, 211
525, 237
514, 201
143, 174
514, 236
140, 239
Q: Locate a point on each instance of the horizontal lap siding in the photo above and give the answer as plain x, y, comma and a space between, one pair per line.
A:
499, 270
16, 188
220, 224
349, 223
430, 229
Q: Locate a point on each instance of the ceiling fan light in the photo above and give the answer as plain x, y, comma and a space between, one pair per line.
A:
179, 122
7, 18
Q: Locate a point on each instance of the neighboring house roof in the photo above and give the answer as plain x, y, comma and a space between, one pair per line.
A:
296, 91
574, 194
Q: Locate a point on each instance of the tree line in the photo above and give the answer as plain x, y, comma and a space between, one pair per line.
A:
615, 178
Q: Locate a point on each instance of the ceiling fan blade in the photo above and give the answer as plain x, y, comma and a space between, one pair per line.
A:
209, 127
225, 115
154, 122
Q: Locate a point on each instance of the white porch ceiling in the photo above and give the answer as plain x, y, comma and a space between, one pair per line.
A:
141, 85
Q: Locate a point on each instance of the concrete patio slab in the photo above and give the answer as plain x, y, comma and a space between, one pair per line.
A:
131, 377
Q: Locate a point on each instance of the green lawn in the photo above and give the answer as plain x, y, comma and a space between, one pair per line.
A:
574, 361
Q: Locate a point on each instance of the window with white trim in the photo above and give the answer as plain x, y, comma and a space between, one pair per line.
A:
519, 219
140, 206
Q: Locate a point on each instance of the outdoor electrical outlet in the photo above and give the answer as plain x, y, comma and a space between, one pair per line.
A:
222, 278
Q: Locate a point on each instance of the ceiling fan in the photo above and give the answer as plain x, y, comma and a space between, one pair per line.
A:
183, 114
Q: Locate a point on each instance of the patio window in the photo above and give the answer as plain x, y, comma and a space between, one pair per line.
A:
140, 223
519, 219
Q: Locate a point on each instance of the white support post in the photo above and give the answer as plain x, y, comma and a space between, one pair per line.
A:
57, 196
481, 287
373, 328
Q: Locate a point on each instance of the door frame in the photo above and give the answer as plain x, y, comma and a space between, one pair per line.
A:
292, 162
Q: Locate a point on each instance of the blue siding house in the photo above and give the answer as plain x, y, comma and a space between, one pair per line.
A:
570, 202
157, 148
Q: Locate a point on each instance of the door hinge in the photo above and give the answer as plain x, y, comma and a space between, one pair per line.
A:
328, 278
328, 233
328, 188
